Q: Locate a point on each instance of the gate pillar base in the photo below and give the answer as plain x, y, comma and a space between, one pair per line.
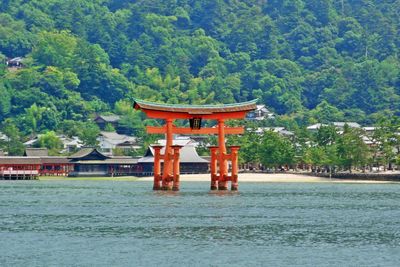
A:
176, 185
156, 188
222, 185
234, 182
167, 184
214, 182
234, 187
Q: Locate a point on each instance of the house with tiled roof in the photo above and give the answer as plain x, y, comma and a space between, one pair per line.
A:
69, 144
260, 113
4, 137
108, 141
15, 63
103, 120
280, 130
338, 125
369, 130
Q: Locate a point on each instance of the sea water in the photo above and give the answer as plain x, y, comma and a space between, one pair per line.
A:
108, 223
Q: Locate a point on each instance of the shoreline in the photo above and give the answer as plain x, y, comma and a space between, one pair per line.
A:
273, 178
243, 178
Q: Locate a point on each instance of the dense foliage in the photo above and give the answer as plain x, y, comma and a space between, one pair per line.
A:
309, 60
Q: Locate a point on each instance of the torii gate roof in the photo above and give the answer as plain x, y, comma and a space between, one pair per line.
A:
159, 110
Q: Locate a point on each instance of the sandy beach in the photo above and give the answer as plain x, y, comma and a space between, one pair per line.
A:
270, 178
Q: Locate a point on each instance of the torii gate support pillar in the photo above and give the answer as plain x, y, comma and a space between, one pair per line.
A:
176, 168
213, 167
157, 167
235, 165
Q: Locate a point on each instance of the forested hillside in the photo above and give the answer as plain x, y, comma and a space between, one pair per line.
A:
310, 60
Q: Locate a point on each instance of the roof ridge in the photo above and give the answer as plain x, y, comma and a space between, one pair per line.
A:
140, 101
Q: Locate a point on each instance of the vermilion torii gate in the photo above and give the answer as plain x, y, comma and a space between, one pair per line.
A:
169, 179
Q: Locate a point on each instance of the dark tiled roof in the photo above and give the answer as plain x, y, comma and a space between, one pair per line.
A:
108, 118
121, 161
88, 151
20, 160
36, 152
63, 160
33, 160
196, 109
55, 160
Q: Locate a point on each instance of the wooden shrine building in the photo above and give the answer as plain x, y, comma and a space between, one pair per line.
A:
14, 168
167, 177
91, 162
30, 167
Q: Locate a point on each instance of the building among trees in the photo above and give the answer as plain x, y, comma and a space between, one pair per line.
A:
281, 130
63, 143
107, 120
16, 63
108, 142
4, 137
338, 125
260, 113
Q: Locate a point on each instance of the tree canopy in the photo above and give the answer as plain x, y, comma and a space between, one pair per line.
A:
306, 59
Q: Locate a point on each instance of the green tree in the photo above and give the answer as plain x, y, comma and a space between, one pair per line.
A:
275, 150
109, 128
386, 141
249, 144
326, 135
15, 39
33, 117
55, 49
51, 141
89, 133
5, 101
316, 156
14, 145
352, 151
131, 121
326, 113
3, 66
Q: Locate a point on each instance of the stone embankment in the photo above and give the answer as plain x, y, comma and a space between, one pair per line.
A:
367, 176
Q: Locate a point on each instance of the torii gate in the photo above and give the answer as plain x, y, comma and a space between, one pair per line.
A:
169, 178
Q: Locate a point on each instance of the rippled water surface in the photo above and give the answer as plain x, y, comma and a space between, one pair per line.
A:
105, 223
